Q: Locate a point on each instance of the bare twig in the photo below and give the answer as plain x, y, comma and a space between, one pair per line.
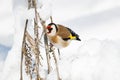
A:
31, 45
30, 39
51, 19
53, 52
47, 52
23, 50
56, 64
36, 40
46, 43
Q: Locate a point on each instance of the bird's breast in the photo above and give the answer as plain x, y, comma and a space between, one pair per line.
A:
58, 42
54, 39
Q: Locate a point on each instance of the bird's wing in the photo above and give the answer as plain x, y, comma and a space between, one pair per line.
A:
74, 34
63, 32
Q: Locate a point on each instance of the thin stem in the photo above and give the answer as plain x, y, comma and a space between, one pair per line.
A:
56, 64
23, 51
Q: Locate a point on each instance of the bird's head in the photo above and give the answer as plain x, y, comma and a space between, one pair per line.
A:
51, 29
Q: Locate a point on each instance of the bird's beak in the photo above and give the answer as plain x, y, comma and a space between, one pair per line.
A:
49, 29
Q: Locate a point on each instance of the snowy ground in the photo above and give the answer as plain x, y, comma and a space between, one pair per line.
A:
96, 57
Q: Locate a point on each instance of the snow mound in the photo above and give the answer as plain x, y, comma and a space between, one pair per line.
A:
94, 60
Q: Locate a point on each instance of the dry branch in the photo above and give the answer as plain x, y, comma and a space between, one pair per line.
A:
30, 39
23, 50
30, 47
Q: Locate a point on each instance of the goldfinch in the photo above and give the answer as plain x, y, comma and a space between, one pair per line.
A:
60, 36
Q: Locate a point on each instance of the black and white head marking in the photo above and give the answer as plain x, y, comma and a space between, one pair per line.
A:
52, 29
53, 24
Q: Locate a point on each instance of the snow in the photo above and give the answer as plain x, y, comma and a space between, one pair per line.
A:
46, 9
78, 8
6, 23
98, 60
102, 25
96, 57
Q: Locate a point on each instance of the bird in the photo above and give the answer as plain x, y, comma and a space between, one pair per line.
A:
60, 36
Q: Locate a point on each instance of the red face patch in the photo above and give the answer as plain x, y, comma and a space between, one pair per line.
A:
48, 27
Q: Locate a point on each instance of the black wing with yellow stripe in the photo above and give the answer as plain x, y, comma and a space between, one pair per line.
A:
74, 34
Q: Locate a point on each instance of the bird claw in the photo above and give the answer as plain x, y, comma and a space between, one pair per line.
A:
51, 48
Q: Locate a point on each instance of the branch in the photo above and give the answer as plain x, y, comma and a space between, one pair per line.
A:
23, 50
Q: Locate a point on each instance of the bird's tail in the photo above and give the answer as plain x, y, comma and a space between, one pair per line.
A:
77, 38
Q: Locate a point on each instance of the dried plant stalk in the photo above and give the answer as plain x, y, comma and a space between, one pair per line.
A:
23, 50
45, 42
56, 64
26, 48
47, 52
49, 49
30, 39
30, 48
54, 56
37, 52
36, 40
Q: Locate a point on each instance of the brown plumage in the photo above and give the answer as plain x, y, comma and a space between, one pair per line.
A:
63, 31
58, 41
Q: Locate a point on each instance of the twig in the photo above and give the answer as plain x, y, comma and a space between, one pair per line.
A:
56, 64
46, 43
51, 19
36, 40
30, 39
59, 54
34, 45
47, 52
51, 48
23, 50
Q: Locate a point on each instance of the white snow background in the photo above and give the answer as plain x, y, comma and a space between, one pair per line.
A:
96, 57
